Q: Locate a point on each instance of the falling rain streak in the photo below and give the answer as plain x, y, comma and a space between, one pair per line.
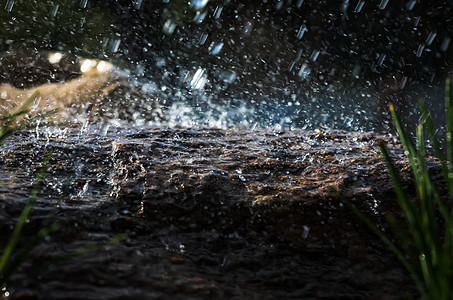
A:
137, 4
301, 31
54, 10
83, 3
359, 6
115, 45
9, 5
381, 59
411, 4
420, 50
383, 4
314, 55
431, 38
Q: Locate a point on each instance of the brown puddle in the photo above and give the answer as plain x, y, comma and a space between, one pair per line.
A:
208, 213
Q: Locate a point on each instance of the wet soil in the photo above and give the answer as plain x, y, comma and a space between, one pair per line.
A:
208, 213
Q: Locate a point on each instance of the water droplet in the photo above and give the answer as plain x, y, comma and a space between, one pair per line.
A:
83, 3
215, 49
314, 55
299, 3
169, 27
403, 82
410, 5
54, 10
199, 4
200, 16
115, 45
217, 12
445, 44
301, 31
304, 71
383, 4
9, 5
381, 59
431, 37
137, 4
359, 6
306, 231
420, 49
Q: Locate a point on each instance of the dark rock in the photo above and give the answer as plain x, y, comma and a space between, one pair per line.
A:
208, 213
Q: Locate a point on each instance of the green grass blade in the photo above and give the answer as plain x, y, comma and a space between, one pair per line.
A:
20, 258
23, 218
386, 240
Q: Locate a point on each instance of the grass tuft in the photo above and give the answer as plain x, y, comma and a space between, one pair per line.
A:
425, 237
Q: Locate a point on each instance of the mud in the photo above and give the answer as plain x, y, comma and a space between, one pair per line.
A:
209, 213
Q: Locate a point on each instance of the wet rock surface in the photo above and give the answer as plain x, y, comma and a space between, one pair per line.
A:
209, 213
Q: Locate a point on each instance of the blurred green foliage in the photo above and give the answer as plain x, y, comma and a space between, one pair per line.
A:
63, 25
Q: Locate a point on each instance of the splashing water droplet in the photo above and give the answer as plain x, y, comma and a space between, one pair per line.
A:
9, 5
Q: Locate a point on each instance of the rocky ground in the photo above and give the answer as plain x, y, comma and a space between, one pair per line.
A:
208, 213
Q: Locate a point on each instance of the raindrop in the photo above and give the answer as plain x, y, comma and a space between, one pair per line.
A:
299, 3
169, 27
431, 37
279, 5
301, 32
199, 4
83, 3
304, 71
305, 233
54, 10
417, 20
137, 4
410, 5
314, 55
403, 82
420, 49
199, 17
383, 4
359, 6
9, 5
381, 59
445, 44
217, 12
215, 49
203, 38
356, 71
115, 45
